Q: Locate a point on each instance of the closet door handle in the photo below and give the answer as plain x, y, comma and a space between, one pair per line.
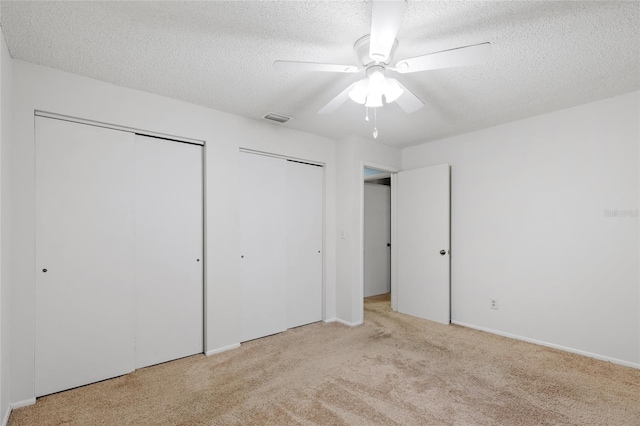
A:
443, 252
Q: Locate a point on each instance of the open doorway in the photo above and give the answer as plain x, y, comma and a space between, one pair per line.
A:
420, 238
377, 236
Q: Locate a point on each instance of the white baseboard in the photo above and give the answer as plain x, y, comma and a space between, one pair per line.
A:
340, 321
5, 420
551, 345
15, 405
23, 403
222, 349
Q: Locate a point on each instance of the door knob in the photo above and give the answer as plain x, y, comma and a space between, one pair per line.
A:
443, 252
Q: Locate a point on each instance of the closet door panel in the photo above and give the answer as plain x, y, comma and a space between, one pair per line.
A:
85, 268
263, 250
304, 243
168, 236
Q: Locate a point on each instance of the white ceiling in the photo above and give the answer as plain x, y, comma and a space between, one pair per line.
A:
545, 56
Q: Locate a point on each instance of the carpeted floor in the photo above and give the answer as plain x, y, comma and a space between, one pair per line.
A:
394, 369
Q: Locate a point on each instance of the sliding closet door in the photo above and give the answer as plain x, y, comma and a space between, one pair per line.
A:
168, 237
263, 248
304, 243
85, 262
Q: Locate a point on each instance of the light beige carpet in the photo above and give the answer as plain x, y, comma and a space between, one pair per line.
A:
394, 369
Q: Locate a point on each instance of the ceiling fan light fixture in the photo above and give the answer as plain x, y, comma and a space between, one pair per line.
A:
359, 92
393, 91
377, 83
370, 90
374, 100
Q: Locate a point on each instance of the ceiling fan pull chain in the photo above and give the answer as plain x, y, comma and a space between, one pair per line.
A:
375, 123
366, 117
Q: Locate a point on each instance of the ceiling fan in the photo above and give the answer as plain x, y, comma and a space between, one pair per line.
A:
375, 54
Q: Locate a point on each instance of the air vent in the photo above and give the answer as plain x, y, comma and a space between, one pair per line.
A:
277, 117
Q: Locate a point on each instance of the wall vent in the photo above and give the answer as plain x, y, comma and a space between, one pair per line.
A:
277, 117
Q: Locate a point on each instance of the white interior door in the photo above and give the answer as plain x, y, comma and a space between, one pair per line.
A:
304, 243
263, 245
85, 267
377, 239
168, 237
423, 223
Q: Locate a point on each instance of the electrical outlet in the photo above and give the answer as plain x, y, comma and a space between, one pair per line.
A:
493, 303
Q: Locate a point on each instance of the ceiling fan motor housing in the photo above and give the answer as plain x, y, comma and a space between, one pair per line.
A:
361, 49
373, 68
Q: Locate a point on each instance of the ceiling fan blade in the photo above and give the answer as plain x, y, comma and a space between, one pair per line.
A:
336, 102
407, 101
313, 66
469, 55
386, 17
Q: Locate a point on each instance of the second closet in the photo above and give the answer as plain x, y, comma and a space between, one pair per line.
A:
281, 225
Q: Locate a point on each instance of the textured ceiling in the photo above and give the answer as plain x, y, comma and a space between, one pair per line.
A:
545, 56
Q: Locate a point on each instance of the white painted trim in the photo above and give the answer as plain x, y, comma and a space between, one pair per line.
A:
284, 157
343, 322
5, 420
15, 405
222, 349
381, 167
377, 176
23, 403
550, 345
116, 127
394, 240
205, 305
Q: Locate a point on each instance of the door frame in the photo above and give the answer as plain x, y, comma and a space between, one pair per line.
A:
394, 251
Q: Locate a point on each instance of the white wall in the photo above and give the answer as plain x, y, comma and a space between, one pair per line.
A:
529, 227
40, 88
5, 228
353, 154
